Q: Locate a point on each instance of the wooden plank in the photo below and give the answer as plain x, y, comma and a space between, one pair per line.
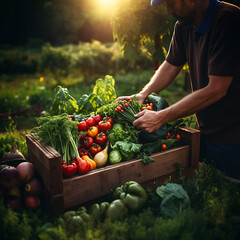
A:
48, 163
192, 137
53, 203
99, 182
41, 169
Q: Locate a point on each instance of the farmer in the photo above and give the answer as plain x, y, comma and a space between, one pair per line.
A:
207, 37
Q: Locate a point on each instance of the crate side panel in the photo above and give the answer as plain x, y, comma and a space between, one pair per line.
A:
47, 161
99, 182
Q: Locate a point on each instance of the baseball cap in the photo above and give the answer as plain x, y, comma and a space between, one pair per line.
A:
156, 2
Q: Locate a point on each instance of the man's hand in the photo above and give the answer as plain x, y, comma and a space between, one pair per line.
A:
149, 121
140, 97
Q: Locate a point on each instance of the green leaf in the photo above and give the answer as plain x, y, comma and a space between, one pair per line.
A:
89, 103
160, 191
105, 89
63, 102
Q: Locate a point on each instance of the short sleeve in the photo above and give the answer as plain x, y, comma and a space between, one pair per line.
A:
225, 48
176, 53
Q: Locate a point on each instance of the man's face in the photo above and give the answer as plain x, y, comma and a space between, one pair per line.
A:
181, 11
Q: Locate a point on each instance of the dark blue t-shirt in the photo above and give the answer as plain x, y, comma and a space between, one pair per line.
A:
213, 49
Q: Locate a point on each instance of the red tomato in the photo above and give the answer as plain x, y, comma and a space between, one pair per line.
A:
164, 146
97, 118
90, 122
82, 126
88, 141
108, 119
95, 148
104, 126
178, 136
83, 151
101, 138
168, 135
82, 136
69, 170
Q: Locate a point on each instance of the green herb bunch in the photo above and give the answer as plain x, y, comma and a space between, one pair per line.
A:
61, 133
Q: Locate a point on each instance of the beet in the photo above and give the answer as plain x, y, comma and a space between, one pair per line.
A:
33, 187
9, 177
32, 202
13, 202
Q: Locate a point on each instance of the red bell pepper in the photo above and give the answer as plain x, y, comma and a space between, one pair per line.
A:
69, 170
83, 166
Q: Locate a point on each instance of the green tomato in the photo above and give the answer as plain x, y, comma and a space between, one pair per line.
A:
117, 210
98, 211
74, 224
115, 156
68, 215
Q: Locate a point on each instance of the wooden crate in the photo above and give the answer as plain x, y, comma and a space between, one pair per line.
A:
63, 193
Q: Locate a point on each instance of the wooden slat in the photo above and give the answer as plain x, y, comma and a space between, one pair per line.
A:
99, 182
48, 163
192, 137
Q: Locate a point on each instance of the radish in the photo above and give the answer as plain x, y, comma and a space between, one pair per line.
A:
32, 202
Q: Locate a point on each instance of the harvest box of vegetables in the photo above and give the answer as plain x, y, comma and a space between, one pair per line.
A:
83, 149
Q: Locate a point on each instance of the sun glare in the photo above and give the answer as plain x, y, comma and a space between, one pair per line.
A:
106, 3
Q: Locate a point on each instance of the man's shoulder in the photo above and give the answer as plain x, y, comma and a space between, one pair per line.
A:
227, 11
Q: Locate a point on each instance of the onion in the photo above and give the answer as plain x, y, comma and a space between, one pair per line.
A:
9, 177
13, 154
26, 171
101, 157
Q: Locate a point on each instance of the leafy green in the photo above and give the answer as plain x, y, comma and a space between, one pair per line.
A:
63, 102
108, 110
127, 149
89, 103
126, 133
105, 89
158, 104
146, 159
174, 199
61, 133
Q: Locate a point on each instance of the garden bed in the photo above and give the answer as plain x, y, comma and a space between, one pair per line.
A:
63, 193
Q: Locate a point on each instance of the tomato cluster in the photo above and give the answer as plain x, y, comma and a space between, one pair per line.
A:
93, 136
170, 135
148, 106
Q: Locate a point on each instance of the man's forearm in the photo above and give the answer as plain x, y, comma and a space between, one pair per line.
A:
198, 100
162, 78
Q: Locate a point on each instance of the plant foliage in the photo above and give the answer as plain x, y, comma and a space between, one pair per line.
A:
138, 25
